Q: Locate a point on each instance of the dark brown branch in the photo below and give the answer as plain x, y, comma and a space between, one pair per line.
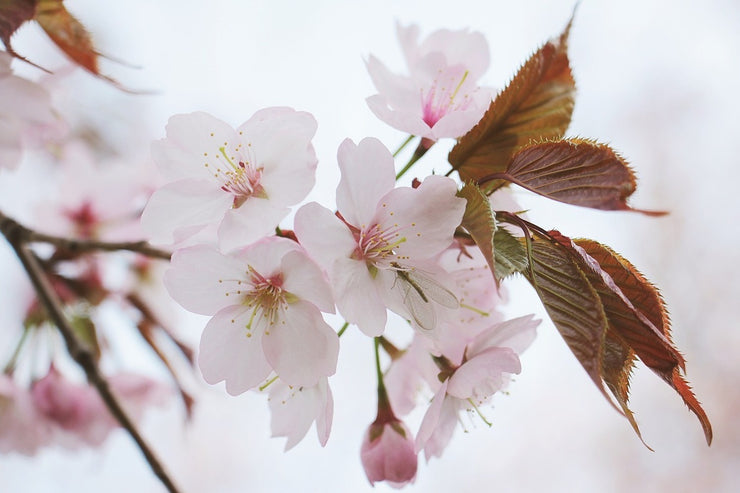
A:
17, 237
27, 235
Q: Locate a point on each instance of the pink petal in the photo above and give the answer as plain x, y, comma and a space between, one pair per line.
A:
323, 235
301, 347
482, 376
426, 216
180, 206
431, 418
357, 296
367, 175
517, 334
193, 140
226, 353
303, 278
196, 279
253, 220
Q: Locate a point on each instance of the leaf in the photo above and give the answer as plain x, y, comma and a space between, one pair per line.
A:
13, 14
87, 335
648, 335
502, 251
70, 36
479, 221
509, 254
571, 302
575, 171
536, 105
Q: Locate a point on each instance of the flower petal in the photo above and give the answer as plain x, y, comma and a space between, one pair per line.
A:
301, 347
226, 353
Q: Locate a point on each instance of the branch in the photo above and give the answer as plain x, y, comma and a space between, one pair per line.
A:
27, 235
17, 236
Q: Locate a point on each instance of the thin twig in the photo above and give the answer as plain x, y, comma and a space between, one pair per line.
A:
27, 235
15, 233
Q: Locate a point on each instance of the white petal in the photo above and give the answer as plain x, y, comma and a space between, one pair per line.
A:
200, 277
226, 353
357, 296
255, 219
303, 278
482, 376
179, 206
301, 347
426, 216
323, 235
367, 175
193, 140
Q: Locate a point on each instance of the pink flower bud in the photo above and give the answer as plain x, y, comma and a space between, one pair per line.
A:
387, 453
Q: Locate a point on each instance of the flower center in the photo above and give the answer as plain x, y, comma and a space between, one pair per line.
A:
263, 296
239, 175
377, 246
440, 98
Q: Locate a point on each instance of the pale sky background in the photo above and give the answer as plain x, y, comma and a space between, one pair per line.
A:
657, 79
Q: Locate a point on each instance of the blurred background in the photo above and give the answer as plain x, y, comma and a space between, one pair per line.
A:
657, 79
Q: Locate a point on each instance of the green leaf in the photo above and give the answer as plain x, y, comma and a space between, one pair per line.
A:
479, 221
87, 335
509, 254
536, 105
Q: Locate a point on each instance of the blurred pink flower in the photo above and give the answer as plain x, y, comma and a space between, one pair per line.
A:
25, 109
78, 416
440, 96
242, 180
22, 427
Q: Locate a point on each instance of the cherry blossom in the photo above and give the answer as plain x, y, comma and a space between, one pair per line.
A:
377, 248
266, 301
295, 408
388, 454
440, 96
22, 428
488, 362
77, 415
242, 180
25, 109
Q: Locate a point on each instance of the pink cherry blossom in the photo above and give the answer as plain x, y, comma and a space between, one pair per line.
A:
22, 427
77, 414
96, 201
295, 408
388, 454
376, 250
266, 301
25, 109
242, 180
488, 362
440, 96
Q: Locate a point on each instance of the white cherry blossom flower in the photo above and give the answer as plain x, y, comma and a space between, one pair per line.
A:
242, 180
266, 301
439, 97
376, 251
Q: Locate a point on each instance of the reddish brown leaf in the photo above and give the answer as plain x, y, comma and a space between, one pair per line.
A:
537, 104
646, 329
575, 171
479, 221
13, 14
571, 302
70, 36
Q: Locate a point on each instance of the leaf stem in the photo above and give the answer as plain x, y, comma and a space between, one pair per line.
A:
344, 327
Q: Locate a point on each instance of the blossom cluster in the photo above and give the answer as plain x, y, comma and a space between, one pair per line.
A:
267, 287
220, 206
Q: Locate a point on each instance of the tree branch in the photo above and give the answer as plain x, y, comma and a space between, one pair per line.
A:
17, 236
27, 235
